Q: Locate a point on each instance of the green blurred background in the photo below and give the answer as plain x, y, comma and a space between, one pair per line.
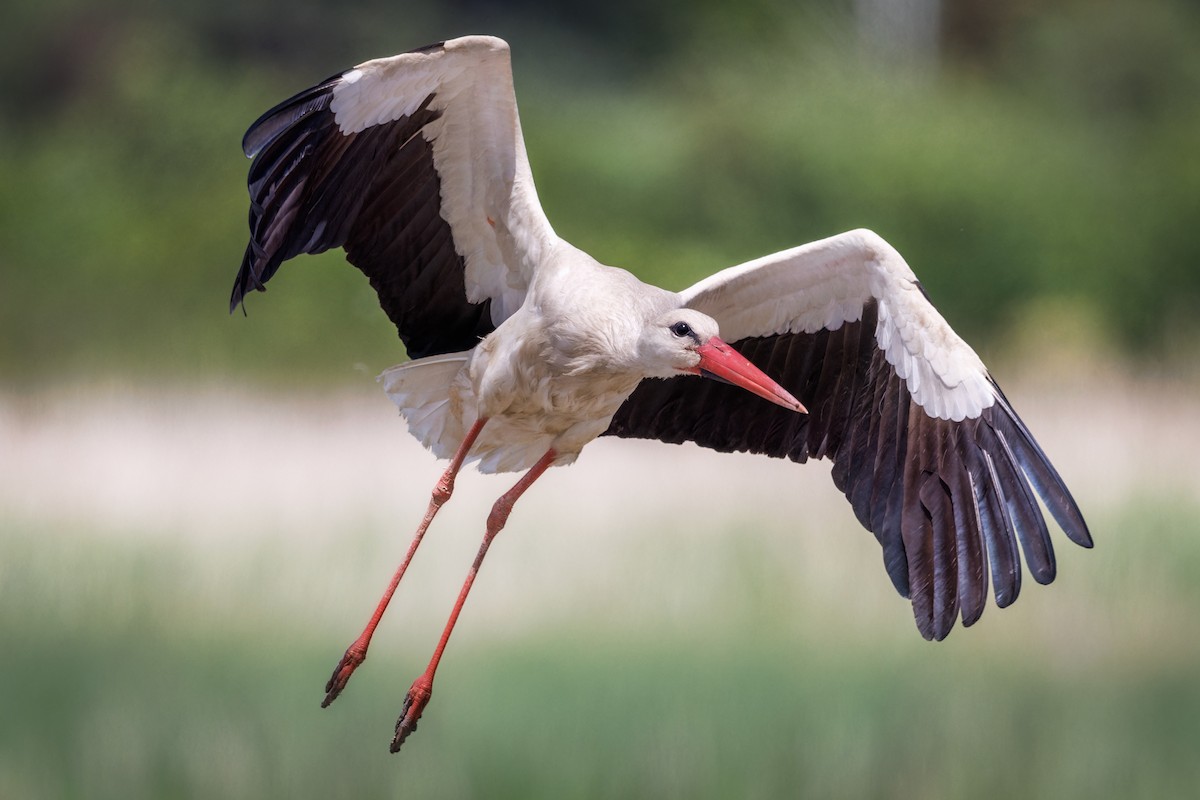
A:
170, 601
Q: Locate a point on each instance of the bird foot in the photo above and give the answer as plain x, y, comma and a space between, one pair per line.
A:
410, 712
353, 656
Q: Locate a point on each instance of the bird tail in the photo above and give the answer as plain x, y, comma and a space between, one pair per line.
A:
423, 391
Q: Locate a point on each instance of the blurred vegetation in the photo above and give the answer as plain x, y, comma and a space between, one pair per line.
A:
1041, 174
1041, 171
159, 670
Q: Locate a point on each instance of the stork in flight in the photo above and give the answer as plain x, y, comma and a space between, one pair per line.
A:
523, 348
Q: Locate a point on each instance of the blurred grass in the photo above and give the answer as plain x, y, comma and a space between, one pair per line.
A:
156, 670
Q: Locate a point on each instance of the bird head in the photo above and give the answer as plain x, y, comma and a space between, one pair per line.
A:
685, 342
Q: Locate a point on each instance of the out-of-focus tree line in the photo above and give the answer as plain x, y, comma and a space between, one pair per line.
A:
1038, 164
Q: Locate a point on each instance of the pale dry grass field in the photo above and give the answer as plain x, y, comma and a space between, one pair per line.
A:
335, 484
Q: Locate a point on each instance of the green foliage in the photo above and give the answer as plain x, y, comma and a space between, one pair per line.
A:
1056, 169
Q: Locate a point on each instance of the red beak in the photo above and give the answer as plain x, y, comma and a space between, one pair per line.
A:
719, 360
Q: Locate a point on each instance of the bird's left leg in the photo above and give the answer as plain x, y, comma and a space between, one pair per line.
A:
356, 653
422, 688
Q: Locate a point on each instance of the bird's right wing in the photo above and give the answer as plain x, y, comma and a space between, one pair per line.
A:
415, 165
924, 444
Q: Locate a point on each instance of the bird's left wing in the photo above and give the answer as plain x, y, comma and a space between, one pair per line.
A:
414, 164
924, 444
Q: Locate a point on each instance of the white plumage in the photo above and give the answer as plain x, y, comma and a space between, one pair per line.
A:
524, 348
826, 283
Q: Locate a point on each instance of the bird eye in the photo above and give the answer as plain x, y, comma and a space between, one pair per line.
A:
681, 329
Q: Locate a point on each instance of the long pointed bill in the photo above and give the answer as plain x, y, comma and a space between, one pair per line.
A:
719, 360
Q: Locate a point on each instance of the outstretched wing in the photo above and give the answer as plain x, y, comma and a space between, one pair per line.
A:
416, 166
925, 446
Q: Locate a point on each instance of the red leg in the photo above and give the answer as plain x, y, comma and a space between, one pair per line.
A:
357, 653
422, 688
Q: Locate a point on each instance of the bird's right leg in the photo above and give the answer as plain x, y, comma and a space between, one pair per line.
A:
357, 652
422, 688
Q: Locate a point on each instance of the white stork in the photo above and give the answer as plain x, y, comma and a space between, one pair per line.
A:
524, 348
